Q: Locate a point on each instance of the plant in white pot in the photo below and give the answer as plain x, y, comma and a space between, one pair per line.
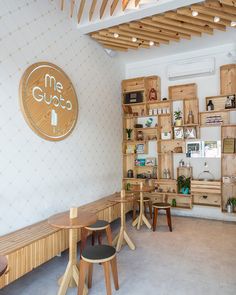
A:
178, 118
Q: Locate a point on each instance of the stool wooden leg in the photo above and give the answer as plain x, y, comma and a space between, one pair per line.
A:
145, 209
150, 208
134, 210
82, 276
93, 238
100, 237
90, 275
109, 235
155, 219
84, 234
107, 277
169, 218
115, 273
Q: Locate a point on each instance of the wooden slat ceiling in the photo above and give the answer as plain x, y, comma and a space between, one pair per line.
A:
172, 26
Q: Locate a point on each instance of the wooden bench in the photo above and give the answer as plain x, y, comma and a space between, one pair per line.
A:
36, 244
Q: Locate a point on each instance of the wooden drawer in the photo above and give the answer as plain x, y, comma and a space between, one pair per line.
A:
181, 92
205, 187
207, 200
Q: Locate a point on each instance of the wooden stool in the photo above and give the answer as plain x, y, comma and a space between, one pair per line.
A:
104, 254
98, 227
146, 202
3, 265
161, 206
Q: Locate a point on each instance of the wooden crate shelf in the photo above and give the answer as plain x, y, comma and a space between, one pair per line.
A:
182, 92
228, 79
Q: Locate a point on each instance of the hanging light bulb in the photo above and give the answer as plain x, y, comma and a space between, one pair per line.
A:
151, 43
233, 24
116, 35
216, 19
134, 39
194, 13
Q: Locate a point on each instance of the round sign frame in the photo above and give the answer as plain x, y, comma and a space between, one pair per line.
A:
47, 96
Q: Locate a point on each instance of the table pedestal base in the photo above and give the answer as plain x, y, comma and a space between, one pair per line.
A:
121, 239
140, 220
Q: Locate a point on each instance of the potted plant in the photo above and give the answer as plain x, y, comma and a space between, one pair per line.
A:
178, 118
129, 132
183, 184
230, 205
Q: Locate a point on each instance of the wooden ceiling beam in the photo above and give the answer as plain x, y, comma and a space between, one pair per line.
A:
145, 36
220, 7
202, 16
150, 23
229, 2
113, 6
124, 4
115, 41
152, 30
186, 15
80, 11
72, 6
103, 7
213, 12
166, 25
193, 29
113, 46
92, 8
136, 2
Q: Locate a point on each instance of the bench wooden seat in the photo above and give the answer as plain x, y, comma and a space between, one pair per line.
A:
29, 247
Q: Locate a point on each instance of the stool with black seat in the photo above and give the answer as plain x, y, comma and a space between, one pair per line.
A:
103, 254
162, 206
98, 227
146, 202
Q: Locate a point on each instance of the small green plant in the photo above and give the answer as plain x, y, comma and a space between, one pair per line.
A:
129, 132
178, 115
183, 184
231, 201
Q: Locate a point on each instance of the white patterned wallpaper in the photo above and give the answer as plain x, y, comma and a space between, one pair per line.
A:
38, 177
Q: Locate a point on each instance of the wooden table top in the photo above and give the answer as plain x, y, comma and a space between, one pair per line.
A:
3, 264
63, 220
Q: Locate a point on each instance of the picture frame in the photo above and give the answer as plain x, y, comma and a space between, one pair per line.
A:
140, 148
151, 162
165, 135
178, 133
190, 133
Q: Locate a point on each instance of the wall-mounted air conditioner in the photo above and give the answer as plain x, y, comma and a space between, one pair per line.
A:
191, 67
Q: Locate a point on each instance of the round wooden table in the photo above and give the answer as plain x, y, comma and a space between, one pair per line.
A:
3, 265
141, 218
71, 222
123, 236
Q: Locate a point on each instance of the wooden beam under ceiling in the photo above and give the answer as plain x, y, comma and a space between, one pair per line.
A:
113, 6
103, 7
137, 3
72, 6
80, 11
229, 2
92, 8
213, 12
124, 4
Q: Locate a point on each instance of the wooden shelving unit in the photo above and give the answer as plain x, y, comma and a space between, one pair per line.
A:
228, 166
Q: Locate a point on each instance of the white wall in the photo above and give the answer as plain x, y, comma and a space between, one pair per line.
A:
38, 177
207, 86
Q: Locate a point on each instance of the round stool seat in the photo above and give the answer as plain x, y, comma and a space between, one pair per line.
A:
98, 253
99, 225
145, 199
161, 205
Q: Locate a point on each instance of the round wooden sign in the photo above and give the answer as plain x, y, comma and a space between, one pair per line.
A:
48, 101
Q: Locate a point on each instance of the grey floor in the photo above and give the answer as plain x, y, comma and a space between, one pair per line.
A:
198, 257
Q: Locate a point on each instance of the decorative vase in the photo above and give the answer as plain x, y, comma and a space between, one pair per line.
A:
178, 122
230, 208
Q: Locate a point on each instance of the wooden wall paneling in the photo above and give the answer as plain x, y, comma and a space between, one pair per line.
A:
113, 6
228, 79
165, 30
80, 11
182, 27
103, 7
124, 4
208, 20
91, 10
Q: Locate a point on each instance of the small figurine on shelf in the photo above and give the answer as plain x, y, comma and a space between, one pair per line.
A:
152, 94
149, 122
164, 173
168, 174
140, 135
210, 106
129, 132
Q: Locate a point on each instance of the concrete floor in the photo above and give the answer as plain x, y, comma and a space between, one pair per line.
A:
198, 257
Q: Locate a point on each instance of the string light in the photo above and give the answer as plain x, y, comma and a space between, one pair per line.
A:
233, 24
151, 43
116, 35
216, 19
134, 39
194, 13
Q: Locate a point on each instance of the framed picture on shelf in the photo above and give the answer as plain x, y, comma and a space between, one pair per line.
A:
178, 132
165, 135
140, 148
150, 161
194, 149
190, 133
140, 162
